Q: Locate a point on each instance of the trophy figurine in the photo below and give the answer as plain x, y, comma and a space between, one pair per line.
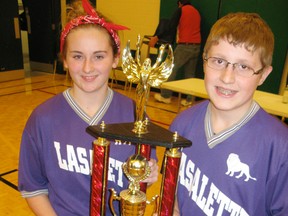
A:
143, 134
146, 76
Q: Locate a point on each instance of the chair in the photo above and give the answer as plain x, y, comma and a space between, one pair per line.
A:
118, 75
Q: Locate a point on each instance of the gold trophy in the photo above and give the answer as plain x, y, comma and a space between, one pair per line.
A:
145, 76
142, 133
133, 201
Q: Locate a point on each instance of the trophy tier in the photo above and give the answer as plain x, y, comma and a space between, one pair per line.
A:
156, 136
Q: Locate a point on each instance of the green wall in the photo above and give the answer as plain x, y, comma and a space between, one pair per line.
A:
274, 12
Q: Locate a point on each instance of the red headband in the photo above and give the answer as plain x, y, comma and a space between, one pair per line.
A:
91, 18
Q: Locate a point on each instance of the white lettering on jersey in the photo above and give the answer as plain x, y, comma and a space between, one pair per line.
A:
72, 159
198, 184
62, 163
120, 142
84, 164
115, 165
80, 160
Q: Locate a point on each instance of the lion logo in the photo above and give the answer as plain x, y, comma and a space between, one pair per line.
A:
235, 165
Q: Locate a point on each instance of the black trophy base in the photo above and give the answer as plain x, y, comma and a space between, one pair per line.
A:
155, 136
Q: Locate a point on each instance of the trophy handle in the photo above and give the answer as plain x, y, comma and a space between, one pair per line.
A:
113, 196
155, 200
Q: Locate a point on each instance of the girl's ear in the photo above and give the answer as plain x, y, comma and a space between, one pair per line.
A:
115, 62
266, 71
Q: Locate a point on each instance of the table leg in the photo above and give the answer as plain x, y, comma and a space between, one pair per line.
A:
179, 102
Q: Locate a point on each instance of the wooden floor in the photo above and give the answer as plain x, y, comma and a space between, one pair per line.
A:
17, 100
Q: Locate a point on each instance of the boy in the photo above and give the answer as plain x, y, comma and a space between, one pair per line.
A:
238, 162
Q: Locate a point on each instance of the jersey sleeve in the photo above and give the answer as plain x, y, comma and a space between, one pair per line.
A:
31, 177
277, 190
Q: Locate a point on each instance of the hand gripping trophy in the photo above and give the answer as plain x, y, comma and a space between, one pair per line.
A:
146, 76
133, 200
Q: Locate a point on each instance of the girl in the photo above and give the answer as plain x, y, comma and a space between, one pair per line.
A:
56, 151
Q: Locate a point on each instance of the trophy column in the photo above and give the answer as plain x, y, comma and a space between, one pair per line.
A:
144, 150
171, 165
101, 148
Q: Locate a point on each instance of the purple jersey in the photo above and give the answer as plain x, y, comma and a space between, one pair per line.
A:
56, 152
240, 171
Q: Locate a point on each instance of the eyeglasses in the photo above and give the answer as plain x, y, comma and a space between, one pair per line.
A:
241, 69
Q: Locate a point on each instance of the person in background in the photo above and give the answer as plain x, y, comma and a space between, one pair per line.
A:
238, 162
186, 20
164, 34
56, 151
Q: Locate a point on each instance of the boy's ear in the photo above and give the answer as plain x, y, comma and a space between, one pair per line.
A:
265, 73
65, 63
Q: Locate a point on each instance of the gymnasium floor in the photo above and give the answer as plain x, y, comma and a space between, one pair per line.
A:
17, 100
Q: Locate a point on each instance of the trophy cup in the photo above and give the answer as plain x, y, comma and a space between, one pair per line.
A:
143, 134
133, 201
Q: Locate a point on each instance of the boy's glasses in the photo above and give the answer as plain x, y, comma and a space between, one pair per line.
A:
241, 69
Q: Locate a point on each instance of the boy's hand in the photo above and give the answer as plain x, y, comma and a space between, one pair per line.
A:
153, 177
